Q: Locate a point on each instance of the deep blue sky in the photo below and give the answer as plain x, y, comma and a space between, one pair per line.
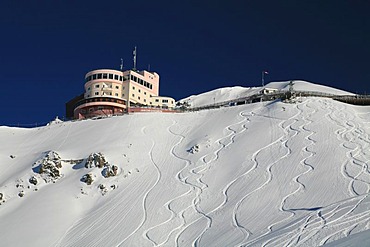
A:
47, 47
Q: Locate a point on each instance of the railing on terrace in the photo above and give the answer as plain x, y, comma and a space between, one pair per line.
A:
351, 99
100, 99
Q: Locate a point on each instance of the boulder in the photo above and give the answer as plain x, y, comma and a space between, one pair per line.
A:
33, 180
110, 171
95, 160
50, 167
88, 178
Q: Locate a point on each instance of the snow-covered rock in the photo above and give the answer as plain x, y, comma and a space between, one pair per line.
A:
49, 167
96, 160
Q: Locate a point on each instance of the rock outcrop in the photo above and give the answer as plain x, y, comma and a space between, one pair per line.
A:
49, 167
110, 171
95, 160
88, 178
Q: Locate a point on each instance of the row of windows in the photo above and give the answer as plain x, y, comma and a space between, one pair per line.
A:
109, 86
163, 101
141, 82
103, 94
105, 76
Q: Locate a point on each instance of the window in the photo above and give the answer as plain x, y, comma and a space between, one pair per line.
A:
156, 100
100, 108
116, 94
144, 100
110, 76
91, 109
94, 77
133, 88
96, 93
88, 89
139, 91
120, 78
105, 76
97, 85
117, 87
110, 93
123, 95
123, 88
138, 97
164, 100
133, 78
116, 77
133, 95
100, 76
144, 93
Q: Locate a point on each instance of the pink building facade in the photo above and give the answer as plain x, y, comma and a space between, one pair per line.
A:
112, 92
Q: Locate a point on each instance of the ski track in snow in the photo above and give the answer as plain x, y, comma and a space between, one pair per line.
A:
167, 205
327, 220
283, 141
225, 190
303, 162
78, 233
146, 194
183, 181
199, 171
352, 137
325, 224
340, 215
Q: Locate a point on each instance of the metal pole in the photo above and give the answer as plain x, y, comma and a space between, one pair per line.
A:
134, 53
263, 78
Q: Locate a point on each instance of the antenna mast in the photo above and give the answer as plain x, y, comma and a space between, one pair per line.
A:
134, 53
121, 66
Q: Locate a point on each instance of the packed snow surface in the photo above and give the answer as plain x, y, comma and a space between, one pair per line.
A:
230, 93
262, 174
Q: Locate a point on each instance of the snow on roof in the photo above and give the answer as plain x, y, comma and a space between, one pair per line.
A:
307, 86
230, 93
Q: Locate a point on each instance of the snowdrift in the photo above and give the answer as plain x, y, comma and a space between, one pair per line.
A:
263, 174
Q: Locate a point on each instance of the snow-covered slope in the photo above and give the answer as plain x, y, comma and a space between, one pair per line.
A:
230, 93
263, 174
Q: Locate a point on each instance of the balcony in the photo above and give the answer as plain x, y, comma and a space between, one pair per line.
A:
101, 99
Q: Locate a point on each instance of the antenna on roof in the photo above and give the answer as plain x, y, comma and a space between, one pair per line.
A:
149, 67
265, 72
121, 66
134, 53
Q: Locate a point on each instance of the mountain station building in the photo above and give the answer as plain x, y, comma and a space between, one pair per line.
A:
113, 92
